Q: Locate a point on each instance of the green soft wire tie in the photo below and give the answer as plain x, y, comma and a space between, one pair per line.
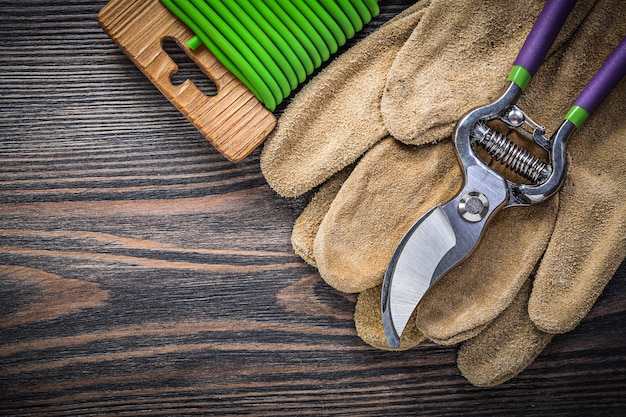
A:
341, 27
362, 10
301, 37
295, 68
194, 43
239, 45
372, 5
577, 115
250, 48
352, 15
273, 45
225, 60
267, 47
520, 76
320, 27
288, 9
282, 31
265, 96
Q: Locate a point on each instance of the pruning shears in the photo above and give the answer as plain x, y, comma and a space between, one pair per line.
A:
448, 233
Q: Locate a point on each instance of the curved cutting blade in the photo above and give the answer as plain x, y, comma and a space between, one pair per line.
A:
411, 270
435, 243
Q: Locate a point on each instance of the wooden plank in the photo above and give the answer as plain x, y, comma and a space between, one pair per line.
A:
139, 27
141, 273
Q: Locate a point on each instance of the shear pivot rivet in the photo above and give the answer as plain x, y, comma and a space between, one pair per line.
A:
516, 117
473, 206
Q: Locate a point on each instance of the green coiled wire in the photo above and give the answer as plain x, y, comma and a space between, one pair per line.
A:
272, 45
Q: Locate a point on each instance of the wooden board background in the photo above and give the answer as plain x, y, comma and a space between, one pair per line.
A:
143, 274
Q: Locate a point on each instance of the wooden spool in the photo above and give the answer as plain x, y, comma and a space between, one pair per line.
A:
234, 121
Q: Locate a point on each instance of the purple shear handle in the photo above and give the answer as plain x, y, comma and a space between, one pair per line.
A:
539, 42
543, 33
605, 80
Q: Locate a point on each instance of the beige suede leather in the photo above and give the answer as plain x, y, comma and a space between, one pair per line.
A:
505, 348
589, 240
335, 119
308, 223
411, 81
368, 321
457, 58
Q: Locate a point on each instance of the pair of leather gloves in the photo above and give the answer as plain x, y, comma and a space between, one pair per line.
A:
371, 136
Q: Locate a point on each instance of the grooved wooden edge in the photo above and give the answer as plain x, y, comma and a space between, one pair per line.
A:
234, 121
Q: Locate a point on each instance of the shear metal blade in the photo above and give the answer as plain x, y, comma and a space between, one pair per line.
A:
412, 269
438, 241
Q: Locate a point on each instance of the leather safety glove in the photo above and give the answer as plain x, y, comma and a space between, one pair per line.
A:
337, 117
365, 217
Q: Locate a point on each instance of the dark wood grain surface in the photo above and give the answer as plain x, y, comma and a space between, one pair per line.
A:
143, 274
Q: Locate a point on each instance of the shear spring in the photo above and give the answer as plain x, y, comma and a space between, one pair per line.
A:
510, 155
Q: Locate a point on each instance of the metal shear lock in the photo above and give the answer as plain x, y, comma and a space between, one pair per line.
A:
447, 234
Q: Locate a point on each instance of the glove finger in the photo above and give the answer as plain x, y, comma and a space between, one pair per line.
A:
447, 322
307, 225
391, 186
369, 323
505, 348
588, 244
425, 94
476, 291
379, 202
586, 250
336, 117
456, 59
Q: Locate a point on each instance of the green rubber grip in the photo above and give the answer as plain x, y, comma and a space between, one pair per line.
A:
372, 5
577, 115
520, 76
194, 43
